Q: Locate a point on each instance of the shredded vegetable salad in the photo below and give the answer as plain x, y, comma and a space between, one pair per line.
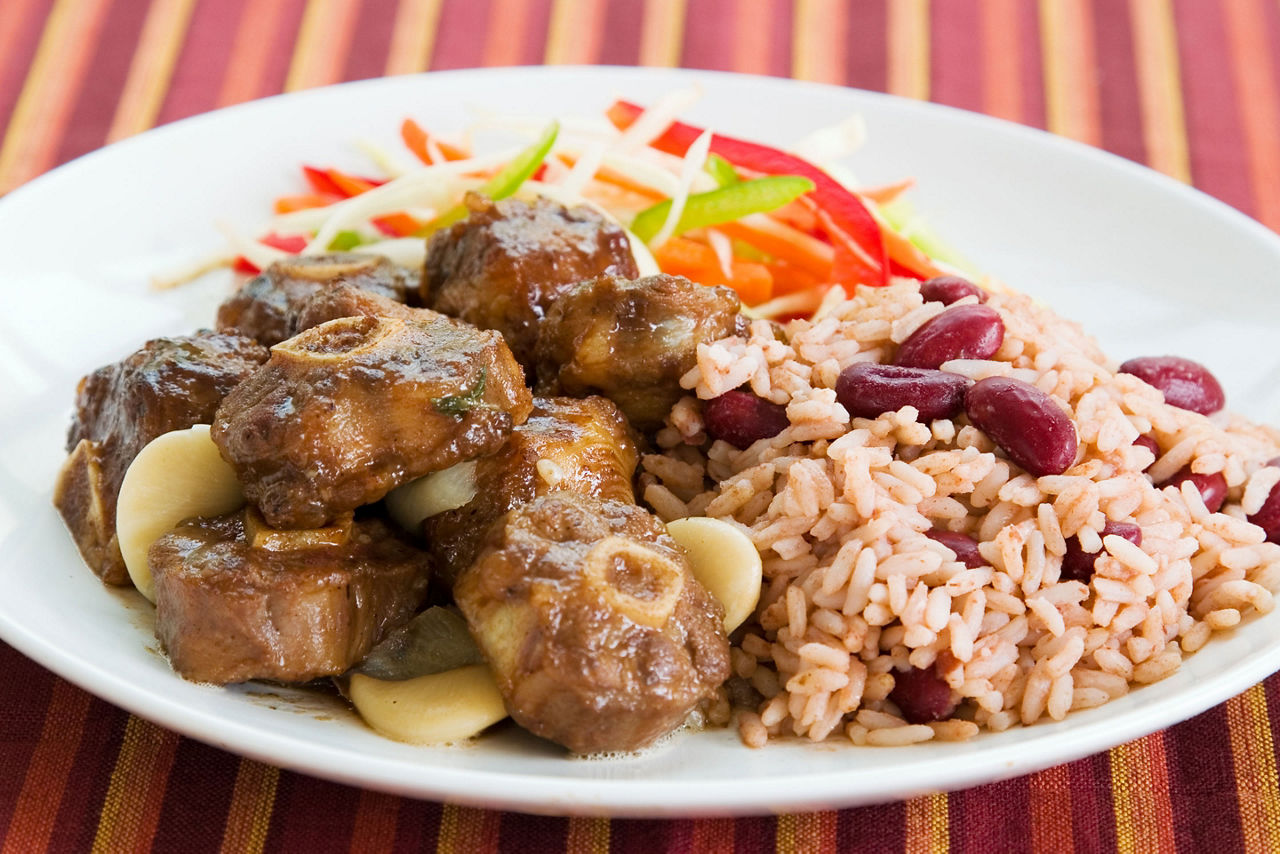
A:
782, 228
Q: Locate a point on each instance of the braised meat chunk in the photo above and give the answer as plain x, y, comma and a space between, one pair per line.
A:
343, 300
236, 601
598, 634
581, 445
503, 266
266, 307
350, 409
170, 384
631, 340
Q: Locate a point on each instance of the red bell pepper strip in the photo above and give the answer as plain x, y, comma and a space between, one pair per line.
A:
291, 243
321, 182
396, 224
350, 185
847, 216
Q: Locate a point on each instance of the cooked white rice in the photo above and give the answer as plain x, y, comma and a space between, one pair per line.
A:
854, 590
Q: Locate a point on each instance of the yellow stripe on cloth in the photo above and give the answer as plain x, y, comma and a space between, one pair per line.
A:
1140, 796
806, 833
253, 801
575, 32
908, 49
131, 810
49, 92
928, 825
1070, 70
413, 37
587, 836
1164, 127
466, 830
819, 32
324, 40
152, 67
1253, 752
662, 33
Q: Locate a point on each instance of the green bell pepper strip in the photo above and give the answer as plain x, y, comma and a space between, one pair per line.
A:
344, 240
721, 170
507, 180
726, 204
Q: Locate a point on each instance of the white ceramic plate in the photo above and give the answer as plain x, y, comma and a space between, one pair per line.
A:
1147, 264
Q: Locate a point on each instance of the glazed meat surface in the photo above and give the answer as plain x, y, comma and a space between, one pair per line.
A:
597, 632
343, 300
631, 340
581, 445
170, 384
266, 307
348, 410
235, 604
503, 266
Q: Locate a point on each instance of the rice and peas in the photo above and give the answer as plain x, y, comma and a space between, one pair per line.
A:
855, 593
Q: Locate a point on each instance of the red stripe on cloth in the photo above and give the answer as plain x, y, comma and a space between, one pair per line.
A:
1202, 784
261, 51
957, 63
1027, 33
1120, 103
533, 833
1049, 810
1213, 125
20, 28
375, 822
974, 817
867, 45
452, 50
537, 20
96, 104
504, 44
196, 768
77, 820
708, 42
370, 40
418, 826
197, 76
878, 828
1258, 102
622, 25
1092, 813
310, 814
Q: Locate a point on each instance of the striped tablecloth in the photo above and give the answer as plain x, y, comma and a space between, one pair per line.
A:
1189, 87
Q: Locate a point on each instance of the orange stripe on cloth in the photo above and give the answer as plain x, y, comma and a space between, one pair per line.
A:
575, 32
928, 825
131, 810
752, 43
1001, 58
1253, 751
806, 833
662, 33
712, 836
504, 42
908, 48
15, 15
49, 93
324, 40
820, 30
587, 836
1140, 796
464, 830
46, 780
1050, 802
257, 38
253, 800
152, 67
1164, 127
1257, 102
413, 36
374, 828
1070, 70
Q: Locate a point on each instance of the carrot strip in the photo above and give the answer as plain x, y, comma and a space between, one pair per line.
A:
903, 251
289, 204
349, 185
808, 258
886, 193
397, 224
415, 139
789, 280
683, 257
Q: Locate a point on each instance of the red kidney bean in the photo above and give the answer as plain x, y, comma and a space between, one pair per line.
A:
1268, 516
965, 546
1186, 384
741, 418
1213, 487
963, 332
868, 390
1077, 564
922, 695
1151, 445
1025, 422
949, 289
